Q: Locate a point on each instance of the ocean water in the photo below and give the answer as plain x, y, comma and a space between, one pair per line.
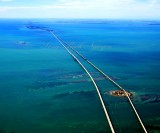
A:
43, 90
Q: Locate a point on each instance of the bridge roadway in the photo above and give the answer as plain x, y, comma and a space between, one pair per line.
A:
98, 84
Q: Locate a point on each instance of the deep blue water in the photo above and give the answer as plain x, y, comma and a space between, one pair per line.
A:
43, 90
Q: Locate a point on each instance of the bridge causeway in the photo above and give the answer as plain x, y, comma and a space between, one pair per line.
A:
69, 49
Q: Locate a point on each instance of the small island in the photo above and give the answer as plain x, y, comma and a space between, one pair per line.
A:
120, 93
21, 43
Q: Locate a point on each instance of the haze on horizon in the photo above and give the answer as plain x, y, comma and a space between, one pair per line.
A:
109, 9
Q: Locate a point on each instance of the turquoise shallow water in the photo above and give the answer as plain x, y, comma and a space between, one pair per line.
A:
42, 89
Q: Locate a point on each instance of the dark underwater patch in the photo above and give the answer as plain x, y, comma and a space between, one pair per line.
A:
150, 98
76, 94
44, 85
150, 127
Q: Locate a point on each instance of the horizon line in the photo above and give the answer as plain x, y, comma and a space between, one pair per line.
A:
85, 18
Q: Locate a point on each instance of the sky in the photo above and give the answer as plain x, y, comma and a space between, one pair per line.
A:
108, 9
